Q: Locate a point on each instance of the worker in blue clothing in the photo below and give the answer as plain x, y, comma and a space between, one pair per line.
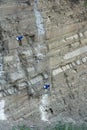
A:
46, 86
19, 39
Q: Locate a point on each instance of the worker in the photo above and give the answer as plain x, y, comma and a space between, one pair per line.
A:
19, 38
46, 86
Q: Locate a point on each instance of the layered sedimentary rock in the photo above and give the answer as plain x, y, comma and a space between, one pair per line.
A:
53, 51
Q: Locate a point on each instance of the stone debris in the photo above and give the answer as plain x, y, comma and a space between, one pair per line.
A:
72, 38
75, 53
78, 62
43, 106
31, 71
8, 59
57, 71
64, 68
68, 66
36, 80
84, 60
21, 86
73, 64
81, 35
75, 45
2, 114
45, 76
16, 76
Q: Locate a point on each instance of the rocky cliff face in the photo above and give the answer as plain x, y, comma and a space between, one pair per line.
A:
52, 51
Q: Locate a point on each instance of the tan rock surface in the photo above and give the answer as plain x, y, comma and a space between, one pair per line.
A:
53, 51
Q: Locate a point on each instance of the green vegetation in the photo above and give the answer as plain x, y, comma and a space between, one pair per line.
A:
85, 2
23, 127
56, 127
67, 127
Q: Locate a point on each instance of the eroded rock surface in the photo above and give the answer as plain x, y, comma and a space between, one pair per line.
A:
53, 50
